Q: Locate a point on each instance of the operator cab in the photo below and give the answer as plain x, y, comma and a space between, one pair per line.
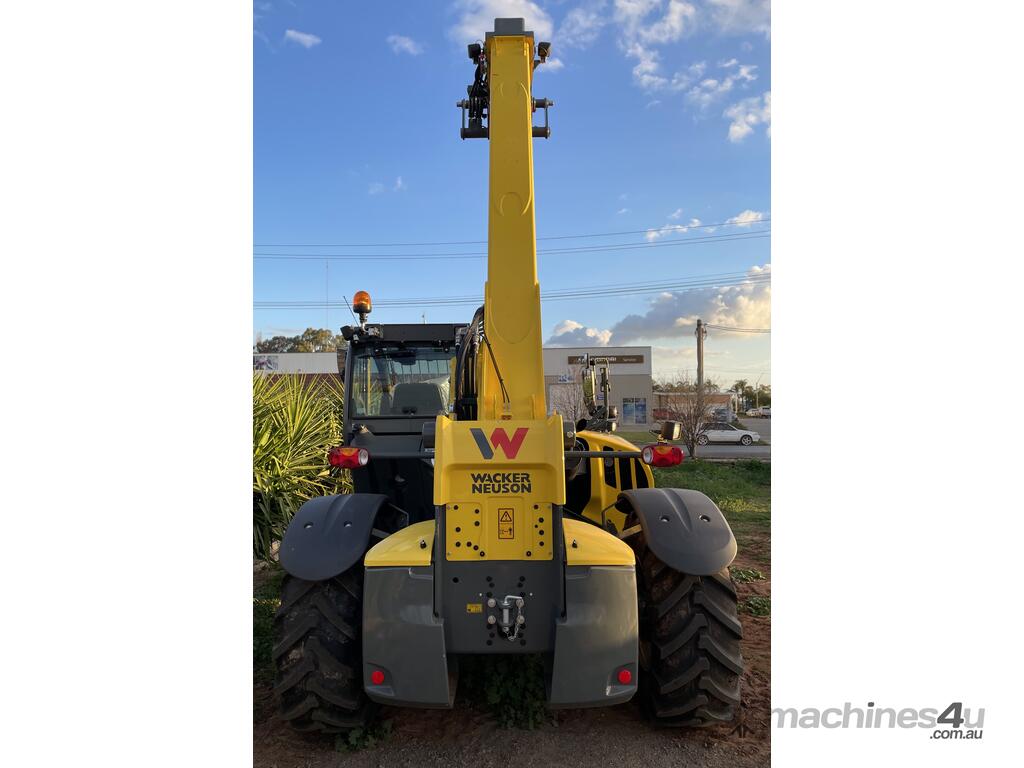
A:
397, 381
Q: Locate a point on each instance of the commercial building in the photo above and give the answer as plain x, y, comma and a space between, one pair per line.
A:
297, 362
630, 372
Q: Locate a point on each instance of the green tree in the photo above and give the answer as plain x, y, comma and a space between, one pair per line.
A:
275, 344
310, 340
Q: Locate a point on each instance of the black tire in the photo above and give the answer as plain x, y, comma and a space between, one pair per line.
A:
702, 440
318, 654
690, 632
746, 440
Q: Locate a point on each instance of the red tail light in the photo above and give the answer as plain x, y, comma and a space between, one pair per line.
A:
662, 455
347, 457
377, 677
625, 676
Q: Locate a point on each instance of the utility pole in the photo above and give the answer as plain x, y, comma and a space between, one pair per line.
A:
701, 332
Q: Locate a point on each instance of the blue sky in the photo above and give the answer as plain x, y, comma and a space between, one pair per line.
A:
661, 125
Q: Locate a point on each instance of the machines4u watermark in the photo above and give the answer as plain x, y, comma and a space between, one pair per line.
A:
952, 722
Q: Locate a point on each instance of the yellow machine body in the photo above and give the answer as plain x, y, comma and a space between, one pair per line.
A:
610, 476
497, 482
409, 546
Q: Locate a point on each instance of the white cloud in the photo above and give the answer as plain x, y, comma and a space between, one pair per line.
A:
622, 211
476, 17
746, 218
399, 184
676, 214
375, 188
645, 73
403, 44
654, 234
305, 39
569, 333
745, 115
652, 103
581, 26
645, 25
741, 17
711, 89
669, 28
673, 314
551, 65
633, 16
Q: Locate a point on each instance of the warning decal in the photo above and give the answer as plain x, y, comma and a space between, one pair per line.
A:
506, 526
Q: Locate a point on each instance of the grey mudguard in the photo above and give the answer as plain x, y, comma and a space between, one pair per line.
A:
684, 528
329, 535
596, 639
403, 639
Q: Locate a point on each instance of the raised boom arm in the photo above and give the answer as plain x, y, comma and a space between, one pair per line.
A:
511, 376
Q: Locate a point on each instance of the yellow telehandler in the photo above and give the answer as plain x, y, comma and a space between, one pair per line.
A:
483, 524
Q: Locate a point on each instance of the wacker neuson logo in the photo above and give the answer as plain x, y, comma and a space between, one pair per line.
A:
960, 721
499, 439
501, 482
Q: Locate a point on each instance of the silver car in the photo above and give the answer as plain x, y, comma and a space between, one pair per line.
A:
721, 432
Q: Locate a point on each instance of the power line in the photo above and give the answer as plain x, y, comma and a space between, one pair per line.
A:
614, 287
737, 330
681, 286
665, 227
729, 237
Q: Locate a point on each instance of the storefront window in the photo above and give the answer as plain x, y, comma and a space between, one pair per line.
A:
634, 410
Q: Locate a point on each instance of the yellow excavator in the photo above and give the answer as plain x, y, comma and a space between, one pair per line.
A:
482, 523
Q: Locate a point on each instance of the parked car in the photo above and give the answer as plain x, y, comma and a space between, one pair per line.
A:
720, 432
753, 413
766, 412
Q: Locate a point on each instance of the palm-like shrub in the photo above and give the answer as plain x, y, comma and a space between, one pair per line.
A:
294, 422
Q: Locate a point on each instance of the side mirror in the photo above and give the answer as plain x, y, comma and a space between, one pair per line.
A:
670, 430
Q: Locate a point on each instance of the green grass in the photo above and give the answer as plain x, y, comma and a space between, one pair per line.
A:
511, 687
741, 489
266, 597
359, 739
746, 575
756, 605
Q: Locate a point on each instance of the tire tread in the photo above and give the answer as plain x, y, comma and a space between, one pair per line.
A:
690, 675
318, 654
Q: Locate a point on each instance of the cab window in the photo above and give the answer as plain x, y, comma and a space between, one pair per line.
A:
400, 381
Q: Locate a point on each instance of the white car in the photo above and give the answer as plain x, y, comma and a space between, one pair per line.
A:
720, 432
753, 412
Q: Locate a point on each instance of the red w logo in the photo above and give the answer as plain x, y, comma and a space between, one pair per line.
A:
499, 439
